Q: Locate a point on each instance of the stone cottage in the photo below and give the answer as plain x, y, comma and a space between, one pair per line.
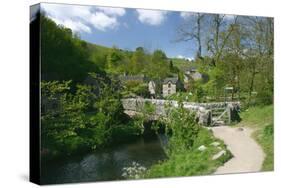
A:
191, 74
170, 86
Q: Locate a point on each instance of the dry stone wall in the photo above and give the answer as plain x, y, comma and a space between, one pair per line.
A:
203, 110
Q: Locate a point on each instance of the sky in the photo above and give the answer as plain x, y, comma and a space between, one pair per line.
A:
125, 28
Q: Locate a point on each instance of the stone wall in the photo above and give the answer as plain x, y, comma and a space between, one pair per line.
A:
203, 110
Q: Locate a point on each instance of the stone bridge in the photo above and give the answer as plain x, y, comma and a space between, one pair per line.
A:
208, 114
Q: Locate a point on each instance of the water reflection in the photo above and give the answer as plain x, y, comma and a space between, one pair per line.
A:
104, 165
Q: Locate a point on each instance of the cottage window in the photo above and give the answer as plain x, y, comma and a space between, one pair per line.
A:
169, 85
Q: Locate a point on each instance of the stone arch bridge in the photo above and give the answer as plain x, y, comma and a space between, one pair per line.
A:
208, 114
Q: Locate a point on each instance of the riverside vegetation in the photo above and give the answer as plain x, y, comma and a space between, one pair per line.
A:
79, 118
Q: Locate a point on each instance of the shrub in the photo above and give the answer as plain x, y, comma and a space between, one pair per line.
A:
183, 127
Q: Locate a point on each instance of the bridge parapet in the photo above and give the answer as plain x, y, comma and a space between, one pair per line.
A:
207, 113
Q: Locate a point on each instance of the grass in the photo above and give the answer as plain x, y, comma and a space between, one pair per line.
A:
261, 119
192, 162
182, 64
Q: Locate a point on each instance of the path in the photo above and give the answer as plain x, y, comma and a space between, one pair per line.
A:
248, 156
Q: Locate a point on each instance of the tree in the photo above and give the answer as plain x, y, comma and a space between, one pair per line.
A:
159, 66
114, 60
260, 55
192, 31
138, 61
63, 55
220, 31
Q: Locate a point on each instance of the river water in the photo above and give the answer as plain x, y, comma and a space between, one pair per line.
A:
106, 164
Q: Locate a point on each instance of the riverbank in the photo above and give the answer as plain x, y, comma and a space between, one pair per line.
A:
206, 155
261, 119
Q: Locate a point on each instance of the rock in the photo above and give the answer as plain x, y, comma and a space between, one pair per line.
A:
219, 154
240, 129
202, 148
215, 144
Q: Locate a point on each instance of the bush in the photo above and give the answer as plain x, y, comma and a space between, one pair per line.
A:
183, 127
78, 124
136, 88
265, 97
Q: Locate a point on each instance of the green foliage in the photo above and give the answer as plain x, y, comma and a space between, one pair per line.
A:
116, 61
82, 121
63, 55
184, 158
146, 111
180, 96
183, 127
182, 64
191, 162
135, 88
77, 118
266, 138
197, 91
149, 108
98, 55
138, 61
159, 66
265, 97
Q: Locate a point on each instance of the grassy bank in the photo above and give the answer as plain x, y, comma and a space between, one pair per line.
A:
192, 162
261, 119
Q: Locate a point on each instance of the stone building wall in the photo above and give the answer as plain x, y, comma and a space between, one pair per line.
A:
169, 90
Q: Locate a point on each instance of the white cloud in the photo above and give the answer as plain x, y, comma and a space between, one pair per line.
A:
180, 57
184, 57
151, 17
75, 26
186, 15
112, 11
82, 18
190, 58
102, 22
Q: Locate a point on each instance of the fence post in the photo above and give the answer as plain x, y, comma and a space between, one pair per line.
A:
229, 113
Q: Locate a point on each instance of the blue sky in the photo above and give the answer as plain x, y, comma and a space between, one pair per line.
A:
124, 28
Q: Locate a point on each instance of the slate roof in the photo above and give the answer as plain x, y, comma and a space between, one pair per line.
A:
191, 69
173, 80
132, 77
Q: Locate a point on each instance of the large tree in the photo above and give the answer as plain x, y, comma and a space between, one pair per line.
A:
192, 30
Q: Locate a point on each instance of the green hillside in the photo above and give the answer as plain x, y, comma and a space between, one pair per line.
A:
183, 64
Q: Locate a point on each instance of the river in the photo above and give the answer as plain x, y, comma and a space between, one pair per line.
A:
106, 164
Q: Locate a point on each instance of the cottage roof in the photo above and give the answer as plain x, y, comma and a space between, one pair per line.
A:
172, 80
191, 69
132, 77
